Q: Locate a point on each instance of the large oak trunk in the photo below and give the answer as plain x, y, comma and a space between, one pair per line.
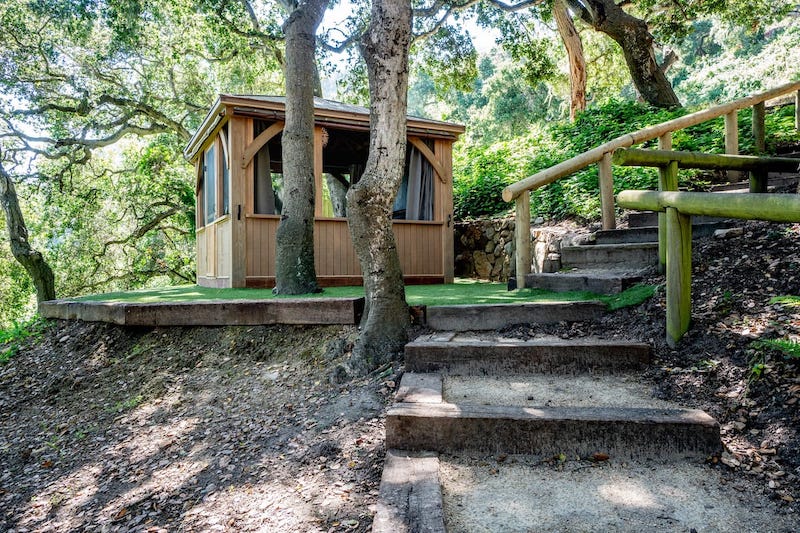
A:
577, 61
634, 38
369, 202
294, 240
33, 261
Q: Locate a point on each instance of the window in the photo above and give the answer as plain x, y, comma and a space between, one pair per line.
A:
210, 184
226, 174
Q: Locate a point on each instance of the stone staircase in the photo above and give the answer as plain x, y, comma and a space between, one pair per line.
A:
467, 394
610, 261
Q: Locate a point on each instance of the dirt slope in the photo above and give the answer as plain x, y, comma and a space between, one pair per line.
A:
179, 429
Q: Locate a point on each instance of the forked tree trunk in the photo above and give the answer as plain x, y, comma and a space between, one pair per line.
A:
577, 61
634, 38
33, 261
369, 202
294, 240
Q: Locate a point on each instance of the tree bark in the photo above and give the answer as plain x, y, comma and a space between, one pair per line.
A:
369, 202
294, 240
577, 61
33, 261
634, 38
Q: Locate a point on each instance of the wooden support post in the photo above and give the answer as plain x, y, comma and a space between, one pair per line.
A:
759, 178
664, 143
606, 179
679, 274
318, 196
667, 181
759, 113
732, 141
522, 236
797, 110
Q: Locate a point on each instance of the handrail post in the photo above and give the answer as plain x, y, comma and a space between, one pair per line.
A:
797, 110
679, 274
759, 178
732, 140
522, 236
664, 143
606, 182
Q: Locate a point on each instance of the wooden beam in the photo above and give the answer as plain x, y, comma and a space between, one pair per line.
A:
606, 179
759, 135
420, 145
318, 196
772, 207
797, 110
679, 274
667, 181
732, 139
664, 143
263, 138
522, 236
662, 158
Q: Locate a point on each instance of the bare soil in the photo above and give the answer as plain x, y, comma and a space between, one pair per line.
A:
104, 428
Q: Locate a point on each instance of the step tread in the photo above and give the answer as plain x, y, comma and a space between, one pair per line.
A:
470, 317
548, 390
660, 434
508, 356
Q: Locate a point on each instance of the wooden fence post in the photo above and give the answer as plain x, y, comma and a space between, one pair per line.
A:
664, 143
679, 274
759, 178
522, 236
797, 110
606, 179
732, 141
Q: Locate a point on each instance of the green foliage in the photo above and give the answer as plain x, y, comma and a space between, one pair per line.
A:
12, 338
789, 348
630, 297
788, 301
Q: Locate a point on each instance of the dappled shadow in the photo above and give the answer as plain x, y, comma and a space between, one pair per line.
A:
187, 428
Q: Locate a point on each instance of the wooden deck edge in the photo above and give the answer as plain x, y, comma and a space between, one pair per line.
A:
299, 311
410, 495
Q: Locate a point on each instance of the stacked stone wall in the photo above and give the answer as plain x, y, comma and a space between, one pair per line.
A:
485, 248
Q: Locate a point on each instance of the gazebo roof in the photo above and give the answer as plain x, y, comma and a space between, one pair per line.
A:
326, 112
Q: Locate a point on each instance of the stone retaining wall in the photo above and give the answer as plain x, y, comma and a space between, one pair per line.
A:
485, 248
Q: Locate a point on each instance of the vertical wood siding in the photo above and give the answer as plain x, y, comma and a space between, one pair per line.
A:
419, 246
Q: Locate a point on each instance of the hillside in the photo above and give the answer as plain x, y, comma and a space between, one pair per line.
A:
242, 429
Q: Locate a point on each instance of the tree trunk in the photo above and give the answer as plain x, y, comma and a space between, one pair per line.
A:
369, 202
294, 240
634, 38
577, 61
33, 261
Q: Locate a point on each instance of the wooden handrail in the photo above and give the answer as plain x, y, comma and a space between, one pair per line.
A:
678, 208
632, 157
602, 155
594, 155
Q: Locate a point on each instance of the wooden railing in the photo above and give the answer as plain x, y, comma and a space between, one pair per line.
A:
678, 208
602, 156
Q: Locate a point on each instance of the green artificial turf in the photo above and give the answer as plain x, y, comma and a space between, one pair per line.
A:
463, 291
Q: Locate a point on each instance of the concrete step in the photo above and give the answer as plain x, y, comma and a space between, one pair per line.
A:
625, 433
640, 219
600, 281
497, 316
650, 233
504, 357
630, 256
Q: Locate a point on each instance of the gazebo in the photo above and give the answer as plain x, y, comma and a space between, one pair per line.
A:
237, 157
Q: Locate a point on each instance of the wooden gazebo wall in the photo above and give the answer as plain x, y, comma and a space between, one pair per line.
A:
238, 249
